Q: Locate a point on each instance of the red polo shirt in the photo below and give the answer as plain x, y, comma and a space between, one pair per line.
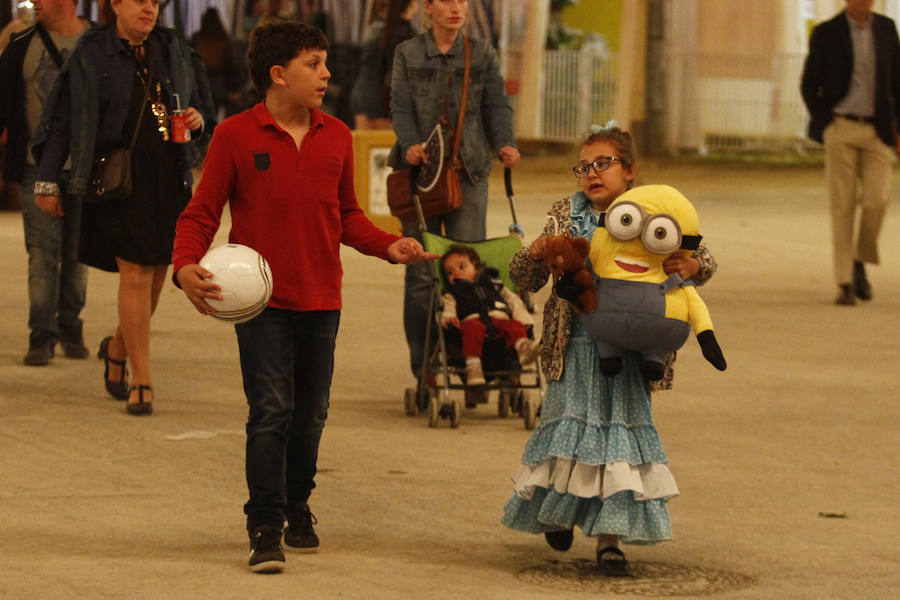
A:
295, 207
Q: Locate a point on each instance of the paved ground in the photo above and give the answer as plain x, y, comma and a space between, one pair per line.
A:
804, 423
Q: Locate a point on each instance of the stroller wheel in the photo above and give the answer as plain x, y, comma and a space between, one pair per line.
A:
434, 410
517, 402
456, 410
409, 402
504, 403
529, 412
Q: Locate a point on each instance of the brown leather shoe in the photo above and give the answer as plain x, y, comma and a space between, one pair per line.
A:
845, 295
41, 346
72, 342
39, 355
861, 286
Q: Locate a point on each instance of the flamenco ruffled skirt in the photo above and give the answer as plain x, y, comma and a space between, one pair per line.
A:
596, 461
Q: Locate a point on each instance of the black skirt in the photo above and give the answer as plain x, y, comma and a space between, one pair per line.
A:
139, 229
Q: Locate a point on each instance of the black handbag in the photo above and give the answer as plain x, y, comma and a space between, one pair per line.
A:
111, 172
111, 176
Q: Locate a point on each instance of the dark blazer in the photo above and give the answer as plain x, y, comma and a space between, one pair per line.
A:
829, 66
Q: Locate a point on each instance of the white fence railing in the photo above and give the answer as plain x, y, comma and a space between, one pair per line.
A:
762, 111
747, 104
579, 90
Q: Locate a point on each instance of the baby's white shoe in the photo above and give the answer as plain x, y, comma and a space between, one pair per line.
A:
474, 374
527, 351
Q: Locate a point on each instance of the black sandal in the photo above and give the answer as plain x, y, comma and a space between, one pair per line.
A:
560, 540
140, 407
612, 562
117, 389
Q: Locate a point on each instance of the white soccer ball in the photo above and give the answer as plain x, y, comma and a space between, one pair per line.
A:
245, 278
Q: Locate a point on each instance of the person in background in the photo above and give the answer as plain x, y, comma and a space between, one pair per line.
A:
851, 87
214, 46
285, 169
105, 14
596, 460
377, 13
425, 82
117, 72
22, 21
57, 282
370, 98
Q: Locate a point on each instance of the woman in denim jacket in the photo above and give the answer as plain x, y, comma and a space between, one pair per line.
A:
426, 85
95, 105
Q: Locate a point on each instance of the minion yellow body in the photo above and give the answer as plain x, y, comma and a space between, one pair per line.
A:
639, 306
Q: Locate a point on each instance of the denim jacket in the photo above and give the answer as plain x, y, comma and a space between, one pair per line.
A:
420, 94
88, 104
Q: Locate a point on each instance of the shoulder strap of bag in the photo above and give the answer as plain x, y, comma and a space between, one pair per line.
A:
50, 46
137, 126
457, 137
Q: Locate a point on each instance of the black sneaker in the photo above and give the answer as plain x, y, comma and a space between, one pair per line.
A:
266, 553
299, 535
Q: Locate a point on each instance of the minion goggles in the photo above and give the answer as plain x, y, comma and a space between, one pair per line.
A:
660, 233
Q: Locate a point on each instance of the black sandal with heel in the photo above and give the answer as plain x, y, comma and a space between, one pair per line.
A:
117, 389
140, 407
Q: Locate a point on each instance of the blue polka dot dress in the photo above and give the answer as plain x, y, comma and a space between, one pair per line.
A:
595, 461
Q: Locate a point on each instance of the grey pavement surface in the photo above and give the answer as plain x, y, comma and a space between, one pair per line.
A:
804, 423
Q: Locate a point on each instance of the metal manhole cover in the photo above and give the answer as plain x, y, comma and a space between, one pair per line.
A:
655, 580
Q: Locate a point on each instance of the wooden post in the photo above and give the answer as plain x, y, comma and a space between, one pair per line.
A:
529, 106
682, 110
654, 140
631, 61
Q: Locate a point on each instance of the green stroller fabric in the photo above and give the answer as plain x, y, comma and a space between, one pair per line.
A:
495, 252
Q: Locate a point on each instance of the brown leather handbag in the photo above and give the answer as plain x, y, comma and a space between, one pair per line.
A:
438, 189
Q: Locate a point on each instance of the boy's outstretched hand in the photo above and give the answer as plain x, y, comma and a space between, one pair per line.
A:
408, 251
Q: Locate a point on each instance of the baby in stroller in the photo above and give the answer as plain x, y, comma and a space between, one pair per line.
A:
477, 302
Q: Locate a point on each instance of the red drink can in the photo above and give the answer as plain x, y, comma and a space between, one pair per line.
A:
180, 132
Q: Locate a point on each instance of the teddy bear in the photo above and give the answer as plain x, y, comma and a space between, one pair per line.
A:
564, 257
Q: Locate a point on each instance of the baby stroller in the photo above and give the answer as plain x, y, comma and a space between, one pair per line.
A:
518, 389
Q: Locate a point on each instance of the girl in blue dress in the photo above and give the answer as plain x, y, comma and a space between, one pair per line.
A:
596, 460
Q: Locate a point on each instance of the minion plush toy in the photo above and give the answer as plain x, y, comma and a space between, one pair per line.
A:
639, 307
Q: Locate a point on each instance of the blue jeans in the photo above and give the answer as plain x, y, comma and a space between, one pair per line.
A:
465, 224
287, 359
57, 282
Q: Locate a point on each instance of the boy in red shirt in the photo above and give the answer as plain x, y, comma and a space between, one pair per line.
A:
286, 170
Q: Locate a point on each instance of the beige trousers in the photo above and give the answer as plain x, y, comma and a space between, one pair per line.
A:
854, 154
